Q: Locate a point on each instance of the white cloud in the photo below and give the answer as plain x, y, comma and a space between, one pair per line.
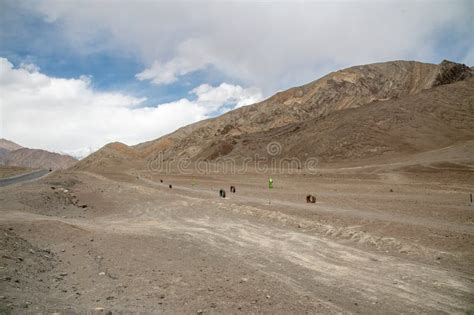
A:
272, 45
191, 56
29, 67
67, 115
214, 97
167, 73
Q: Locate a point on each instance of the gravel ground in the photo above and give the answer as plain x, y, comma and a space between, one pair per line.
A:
372, 243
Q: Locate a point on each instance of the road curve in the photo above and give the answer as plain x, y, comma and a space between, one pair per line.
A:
22, 178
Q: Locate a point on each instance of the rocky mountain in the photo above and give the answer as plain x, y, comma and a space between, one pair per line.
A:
12, 154
9, 145
3, 153
429, 120
394, 107
111, 157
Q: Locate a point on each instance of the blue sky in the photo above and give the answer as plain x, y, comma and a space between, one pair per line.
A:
194, 59
23, 38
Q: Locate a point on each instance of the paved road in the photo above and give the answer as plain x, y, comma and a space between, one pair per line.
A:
22, 178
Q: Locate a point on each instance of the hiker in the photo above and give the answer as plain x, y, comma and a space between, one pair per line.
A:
270, 187
310, 199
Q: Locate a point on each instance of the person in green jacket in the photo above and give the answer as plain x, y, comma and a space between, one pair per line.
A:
270, 186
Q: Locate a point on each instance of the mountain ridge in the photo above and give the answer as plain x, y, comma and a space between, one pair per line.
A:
338, 91
13, 154
9, 145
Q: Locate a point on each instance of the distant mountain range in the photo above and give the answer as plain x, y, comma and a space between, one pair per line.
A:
12, 154
390, 109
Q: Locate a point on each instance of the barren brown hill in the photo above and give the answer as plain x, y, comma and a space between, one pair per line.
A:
329, 118
3, 154
432, 119
9, 145
34, 158
111, 157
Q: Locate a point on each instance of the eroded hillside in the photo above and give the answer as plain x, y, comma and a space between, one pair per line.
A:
355, 113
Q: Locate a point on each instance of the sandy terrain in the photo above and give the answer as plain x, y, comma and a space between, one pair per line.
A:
393, 242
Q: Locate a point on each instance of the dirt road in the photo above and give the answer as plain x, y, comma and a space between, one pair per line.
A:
136, 245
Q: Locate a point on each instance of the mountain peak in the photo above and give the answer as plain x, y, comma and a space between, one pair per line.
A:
450, 72
9, 145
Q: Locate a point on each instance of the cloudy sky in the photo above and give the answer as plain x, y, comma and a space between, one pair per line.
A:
75, 75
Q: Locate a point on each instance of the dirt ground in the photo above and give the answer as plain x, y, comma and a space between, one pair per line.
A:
385, 242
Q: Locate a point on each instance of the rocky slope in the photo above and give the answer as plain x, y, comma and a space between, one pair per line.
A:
432, 119
111, 157
3, 153
9, 145
12, 154
328, 117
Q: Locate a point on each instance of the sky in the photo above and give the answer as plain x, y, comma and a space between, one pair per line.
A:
76, 75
